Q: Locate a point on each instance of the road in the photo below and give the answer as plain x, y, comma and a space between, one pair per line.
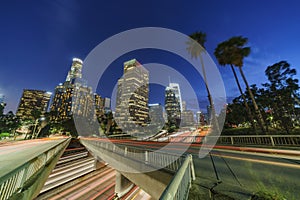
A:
101, 187
243, 171
137, 194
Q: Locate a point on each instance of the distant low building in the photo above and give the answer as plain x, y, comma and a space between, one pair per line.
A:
200, 119
187, 118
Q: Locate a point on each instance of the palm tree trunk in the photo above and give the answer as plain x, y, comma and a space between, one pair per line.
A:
244, 98
212, 106
257, 111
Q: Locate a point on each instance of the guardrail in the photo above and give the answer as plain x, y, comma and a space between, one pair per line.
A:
178, 188
267, 140
182, 165
157, 159
14, 181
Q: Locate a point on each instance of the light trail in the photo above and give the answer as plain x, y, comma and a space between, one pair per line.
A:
80, 185
95, 196
259, 161
91, 186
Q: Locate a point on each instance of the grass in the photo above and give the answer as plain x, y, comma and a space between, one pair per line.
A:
267, 195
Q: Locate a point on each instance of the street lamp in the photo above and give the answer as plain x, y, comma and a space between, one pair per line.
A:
35, 125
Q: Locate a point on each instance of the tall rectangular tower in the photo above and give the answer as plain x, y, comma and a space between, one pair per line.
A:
176, 89
73, 97
132, 96
172, 106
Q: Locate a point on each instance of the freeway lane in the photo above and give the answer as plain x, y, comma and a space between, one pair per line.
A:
100, 187
15, 154
242, 172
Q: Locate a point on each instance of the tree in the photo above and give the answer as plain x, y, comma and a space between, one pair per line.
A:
69, 126
36, 114
2, 106
109, 118
283, 90
196, 49
236, 113
9, 123
232, 52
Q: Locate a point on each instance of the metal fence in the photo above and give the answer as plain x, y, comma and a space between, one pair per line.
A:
14, 181
157, 159
266, 140
178, 188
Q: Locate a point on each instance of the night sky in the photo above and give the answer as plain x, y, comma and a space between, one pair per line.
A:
38, 39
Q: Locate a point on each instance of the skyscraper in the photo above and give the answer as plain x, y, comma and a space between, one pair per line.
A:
176, 89
73, 97
33, 103
132, 97
172, 107
75, 71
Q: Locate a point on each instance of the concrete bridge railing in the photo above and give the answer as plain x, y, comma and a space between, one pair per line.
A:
20, 179
156, 159
180, 167
178, 189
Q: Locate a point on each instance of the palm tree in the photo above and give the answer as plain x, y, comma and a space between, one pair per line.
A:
196, 49
232, 52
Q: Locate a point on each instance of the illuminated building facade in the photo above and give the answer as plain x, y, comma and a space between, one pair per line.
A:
172, 107
73, 97
99, 105
102, 105
156, 113
132, 96
187, 118
33, 101
176, 89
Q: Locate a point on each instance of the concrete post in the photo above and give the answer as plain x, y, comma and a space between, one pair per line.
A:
125, 151
123, 185
272, 141
146, 157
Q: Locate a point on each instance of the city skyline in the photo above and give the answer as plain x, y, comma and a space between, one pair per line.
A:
58, 97
45, 44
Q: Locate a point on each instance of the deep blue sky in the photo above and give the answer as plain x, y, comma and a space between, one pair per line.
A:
39, 38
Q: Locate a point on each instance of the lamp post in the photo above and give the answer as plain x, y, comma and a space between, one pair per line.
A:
35, 126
